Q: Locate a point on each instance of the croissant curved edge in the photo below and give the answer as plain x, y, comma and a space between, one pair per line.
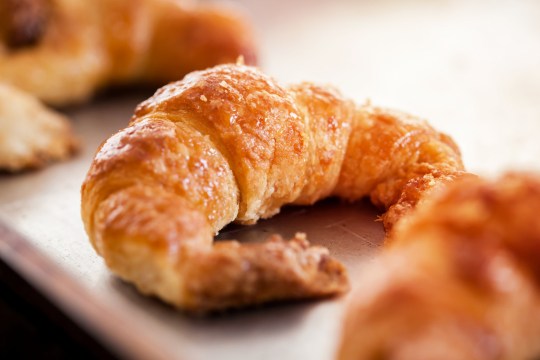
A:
231, 144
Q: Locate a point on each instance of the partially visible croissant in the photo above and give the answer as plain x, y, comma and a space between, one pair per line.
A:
229, 143
62, 51
30, 134
461, 279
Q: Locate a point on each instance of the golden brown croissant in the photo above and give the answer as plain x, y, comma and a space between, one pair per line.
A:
63, 50
30, 134
229, 143
460, 280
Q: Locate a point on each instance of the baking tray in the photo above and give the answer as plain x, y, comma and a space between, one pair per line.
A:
457, 63
47, 243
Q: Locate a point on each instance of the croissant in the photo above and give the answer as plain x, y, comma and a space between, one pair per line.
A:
30, 134
230, 144
62, 51
460, 280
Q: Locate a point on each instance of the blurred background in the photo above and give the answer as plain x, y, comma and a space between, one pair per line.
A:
472, 68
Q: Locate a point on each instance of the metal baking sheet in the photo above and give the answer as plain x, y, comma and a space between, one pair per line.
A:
470, 67
43, 207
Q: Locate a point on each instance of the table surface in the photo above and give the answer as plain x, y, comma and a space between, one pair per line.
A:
471, 68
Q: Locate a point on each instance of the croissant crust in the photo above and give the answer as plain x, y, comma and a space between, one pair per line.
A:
231, 144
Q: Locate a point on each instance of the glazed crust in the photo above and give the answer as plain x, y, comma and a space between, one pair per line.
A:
231, 144
30, 134
62, 51
459, 281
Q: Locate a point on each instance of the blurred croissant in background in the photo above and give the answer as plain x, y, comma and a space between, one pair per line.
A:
30, 134
63, 51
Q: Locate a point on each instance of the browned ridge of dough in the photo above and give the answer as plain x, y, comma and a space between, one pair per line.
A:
63, 51
231, 144
460, 280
